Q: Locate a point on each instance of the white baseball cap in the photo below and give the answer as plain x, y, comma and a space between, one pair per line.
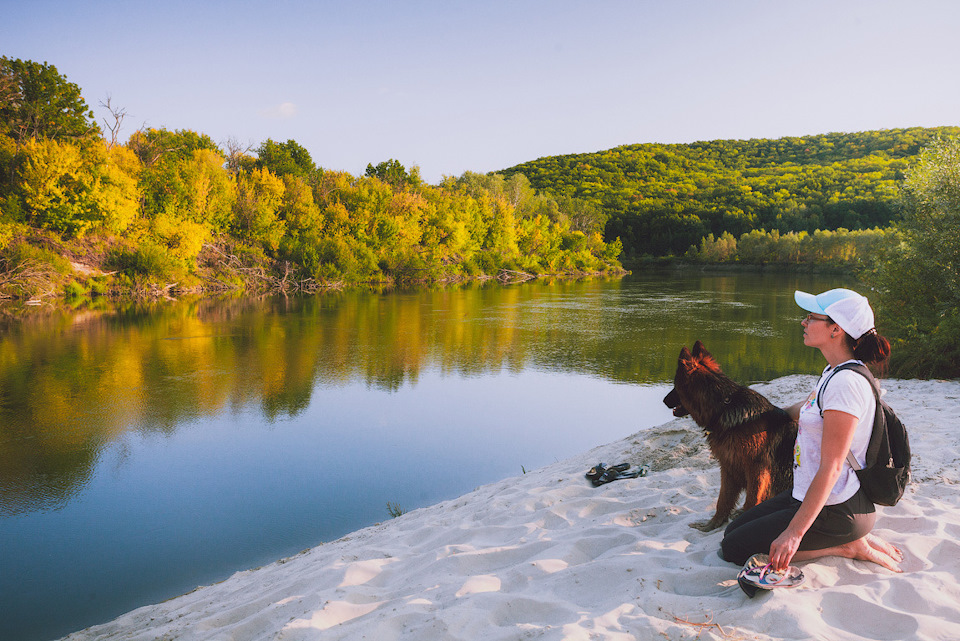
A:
847, 308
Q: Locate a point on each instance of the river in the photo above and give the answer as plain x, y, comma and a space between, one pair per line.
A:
146, 450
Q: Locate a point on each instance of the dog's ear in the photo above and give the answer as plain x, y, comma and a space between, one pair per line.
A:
687, 362
700, 351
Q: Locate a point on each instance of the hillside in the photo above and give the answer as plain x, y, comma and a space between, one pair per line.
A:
660, 199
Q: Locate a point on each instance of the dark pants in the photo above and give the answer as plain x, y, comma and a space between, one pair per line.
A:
754, 530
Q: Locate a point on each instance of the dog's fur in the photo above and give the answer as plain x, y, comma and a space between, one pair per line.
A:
750, 437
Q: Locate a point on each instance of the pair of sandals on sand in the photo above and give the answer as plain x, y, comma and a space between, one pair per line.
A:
600, 474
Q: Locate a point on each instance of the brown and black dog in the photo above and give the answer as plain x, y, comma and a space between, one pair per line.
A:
750, 437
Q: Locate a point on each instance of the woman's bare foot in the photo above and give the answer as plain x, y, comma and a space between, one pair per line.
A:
883, 547
868, 548
874, 549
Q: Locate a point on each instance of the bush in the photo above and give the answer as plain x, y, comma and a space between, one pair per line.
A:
149, 259
99, 286
73, 289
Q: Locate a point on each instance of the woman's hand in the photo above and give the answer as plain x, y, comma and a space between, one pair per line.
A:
783, 548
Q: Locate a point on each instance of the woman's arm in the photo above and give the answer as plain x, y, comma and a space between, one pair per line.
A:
838, 429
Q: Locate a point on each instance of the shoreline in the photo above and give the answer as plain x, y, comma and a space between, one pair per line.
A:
547, 556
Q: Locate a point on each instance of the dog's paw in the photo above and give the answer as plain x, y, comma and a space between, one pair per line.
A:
706, 526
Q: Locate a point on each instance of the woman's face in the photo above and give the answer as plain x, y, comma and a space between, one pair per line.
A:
816, 329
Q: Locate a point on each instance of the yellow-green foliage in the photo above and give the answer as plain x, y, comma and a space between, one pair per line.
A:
257, 207
120, 199
74, 187
209, 192
165, 196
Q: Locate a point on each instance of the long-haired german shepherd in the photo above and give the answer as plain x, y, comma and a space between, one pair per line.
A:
750, 437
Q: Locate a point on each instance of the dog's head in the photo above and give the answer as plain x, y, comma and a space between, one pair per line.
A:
688, 365
672, 400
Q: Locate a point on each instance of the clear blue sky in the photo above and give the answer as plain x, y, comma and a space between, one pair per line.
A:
454, 86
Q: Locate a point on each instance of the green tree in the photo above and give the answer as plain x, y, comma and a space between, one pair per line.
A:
188, 194
394, 174
500, 243
285, 158
155, 145
303, 224
36, 101
919, 282
172, 162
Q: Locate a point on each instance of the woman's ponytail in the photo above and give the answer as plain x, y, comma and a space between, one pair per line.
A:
871, 348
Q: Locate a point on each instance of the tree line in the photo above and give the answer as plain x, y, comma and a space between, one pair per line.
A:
175, 207
842, 249
912, 267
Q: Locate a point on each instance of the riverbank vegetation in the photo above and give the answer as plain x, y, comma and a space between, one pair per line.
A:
912, 267
173, 211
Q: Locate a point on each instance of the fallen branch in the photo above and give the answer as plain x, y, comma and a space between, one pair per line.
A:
703, 626
504, 275
31, 277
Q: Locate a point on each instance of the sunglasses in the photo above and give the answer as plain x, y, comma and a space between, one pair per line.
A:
813, 317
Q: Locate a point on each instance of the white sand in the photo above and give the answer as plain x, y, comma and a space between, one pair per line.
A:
547, 556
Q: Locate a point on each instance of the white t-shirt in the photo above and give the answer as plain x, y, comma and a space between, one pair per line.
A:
848, 392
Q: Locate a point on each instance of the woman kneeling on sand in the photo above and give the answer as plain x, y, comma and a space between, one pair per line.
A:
826, 513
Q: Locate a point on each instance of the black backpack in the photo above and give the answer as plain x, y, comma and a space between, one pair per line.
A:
888, 454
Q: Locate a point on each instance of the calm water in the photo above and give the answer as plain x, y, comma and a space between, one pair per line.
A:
146, 452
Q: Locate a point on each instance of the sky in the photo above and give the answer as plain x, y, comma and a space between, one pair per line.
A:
453, 86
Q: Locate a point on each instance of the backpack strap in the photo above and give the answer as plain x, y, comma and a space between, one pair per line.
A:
864, 371
852, 460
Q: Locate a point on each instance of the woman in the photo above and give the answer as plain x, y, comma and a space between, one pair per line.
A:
826, 513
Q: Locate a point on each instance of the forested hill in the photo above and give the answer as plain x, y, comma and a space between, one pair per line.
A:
660, 199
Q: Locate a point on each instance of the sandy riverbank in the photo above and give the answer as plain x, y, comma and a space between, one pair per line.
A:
547, 556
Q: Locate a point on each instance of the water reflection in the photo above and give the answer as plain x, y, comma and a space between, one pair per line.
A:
72, 383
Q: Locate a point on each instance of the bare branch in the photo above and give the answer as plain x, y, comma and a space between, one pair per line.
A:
118, 114
236, 151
